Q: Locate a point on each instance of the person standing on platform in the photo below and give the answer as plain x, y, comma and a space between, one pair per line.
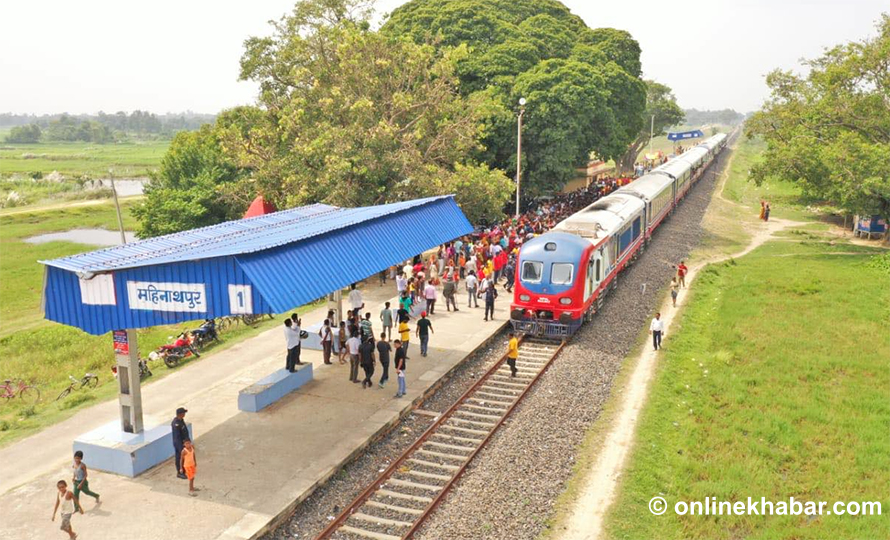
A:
682, 270
491, 294
429, 292
512, 353
400, 363
449, 279
472, 287
424, 327
366, 352
386, 320
404, 335
80, 482
343, 336
367, 327
401, 283
356, 303
383, 350
190, 466
656, 328
327, 340
353, 345
510, 273
297, 322
180, 433
292, 340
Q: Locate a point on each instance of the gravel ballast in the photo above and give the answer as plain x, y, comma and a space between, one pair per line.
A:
509, 490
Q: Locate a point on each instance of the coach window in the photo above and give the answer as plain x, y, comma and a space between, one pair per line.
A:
531, 271
599, 270
562, 273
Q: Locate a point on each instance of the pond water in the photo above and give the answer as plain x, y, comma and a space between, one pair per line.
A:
94, 237
125, 188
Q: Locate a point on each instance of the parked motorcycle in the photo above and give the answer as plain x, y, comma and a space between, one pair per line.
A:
204, 334
173, 353
144, 370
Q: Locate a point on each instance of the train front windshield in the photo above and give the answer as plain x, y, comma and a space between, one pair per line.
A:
561, 273
532, 271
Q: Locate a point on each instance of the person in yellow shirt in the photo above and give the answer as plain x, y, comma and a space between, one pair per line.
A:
404, 335
512, 353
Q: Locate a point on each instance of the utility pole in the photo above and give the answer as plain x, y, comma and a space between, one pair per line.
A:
519, 151
117, 206
651, 132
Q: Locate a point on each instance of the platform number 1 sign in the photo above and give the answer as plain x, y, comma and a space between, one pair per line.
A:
240, 300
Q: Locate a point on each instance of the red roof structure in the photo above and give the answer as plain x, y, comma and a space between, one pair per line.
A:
259, 207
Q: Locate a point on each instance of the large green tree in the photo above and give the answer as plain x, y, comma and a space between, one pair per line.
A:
195, 185
582, 86
661, 113
829, 131
354, 117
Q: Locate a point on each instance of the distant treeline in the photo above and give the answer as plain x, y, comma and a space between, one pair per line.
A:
101, 128
729, 117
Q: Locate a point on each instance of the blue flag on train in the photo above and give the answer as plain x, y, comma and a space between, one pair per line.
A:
681, 135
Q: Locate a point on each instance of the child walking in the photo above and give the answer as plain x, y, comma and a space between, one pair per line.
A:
189, 465
65, 500
81, 484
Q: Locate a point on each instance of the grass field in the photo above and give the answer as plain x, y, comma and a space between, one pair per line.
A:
128, 159
776, 386
45, 353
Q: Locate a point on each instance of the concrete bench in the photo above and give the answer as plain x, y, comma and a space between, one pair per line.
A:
271, 388
109, 449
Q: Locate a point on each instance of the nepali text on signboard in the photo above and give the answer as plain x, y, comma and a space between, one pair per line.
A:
178, 297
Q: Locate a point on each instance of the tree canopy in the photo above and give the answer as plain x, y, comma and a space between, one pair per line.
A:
829, 131
195, 185
582, 86
661, 113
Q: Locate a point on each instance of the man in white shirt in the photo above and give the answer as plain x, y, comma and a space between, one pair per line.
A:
472, 283
401, 283
352, 345
355, 300
656, 328
292, 339
429, 292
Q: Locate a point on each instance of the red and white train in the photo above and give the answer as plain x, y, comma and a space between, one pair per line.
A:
563, 275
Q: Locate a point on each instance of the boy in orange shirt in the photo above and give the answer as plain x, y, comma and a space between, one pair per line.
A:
189, 465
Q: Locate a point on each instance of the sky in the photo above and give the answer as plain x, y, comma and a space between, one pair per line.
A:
174, 56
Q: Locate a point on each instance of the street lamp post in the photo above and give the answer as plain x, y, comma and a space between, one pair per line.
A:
651, 132
519, 151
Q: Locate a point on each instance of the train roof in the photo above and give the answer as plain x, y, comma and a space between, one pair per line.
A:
673, 168
568, 247
647, 186
694, 155
602, 218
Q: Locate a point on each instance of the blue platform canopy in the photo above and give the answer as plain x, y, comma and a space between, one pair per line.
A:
265, 264
682, 135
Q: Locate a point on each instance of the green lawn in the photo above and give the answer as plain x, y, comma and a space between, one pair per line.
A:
776, 386
45, 353
128, 159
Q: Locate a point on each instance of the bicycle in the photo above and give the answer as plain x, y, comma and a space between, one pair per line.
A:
88, 380
20, 389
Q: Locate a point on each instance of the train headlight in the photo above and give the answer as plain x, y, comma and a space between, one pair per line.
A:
525, 297
565, 301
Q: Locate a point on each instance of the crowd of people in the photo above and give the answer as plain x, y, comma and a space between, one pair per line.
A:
475, 265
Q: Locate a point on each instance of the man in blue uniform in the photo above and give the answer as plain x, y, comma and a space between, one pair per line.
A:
180, 435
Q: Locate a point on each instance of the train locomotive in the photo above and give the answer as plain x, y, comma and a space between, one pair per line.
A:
563, 276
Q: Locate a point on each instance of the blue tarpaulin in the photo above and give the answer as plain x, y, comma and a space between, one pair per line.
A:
266, 264
682, 135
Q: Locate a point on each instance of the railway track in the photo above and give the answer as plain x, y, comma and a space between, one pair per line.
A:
399, 500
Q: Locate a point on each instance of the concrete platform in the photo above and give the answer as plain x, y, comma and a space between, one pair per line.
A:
109, 449
271, 388
252, 468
